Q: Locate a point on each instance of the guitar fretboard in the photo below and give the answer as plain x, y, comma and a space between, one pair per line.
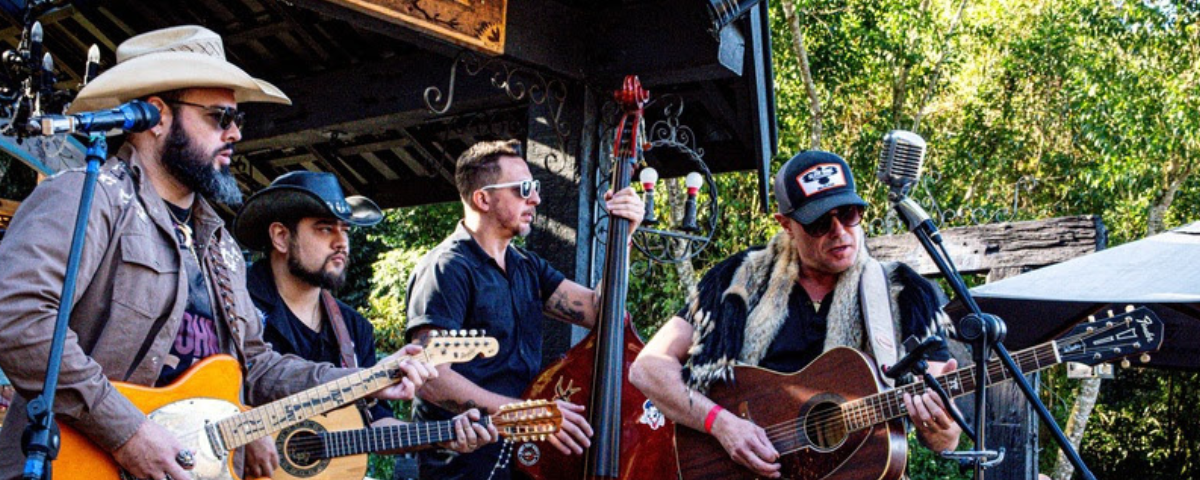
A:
378, 439
875, 409
249, 426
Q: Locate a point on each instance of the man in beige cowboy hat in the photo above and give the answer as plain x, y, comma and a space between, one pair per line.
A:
161, 281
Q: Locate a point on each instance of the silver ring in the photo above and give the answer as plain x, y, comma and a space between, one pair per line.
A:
186, 459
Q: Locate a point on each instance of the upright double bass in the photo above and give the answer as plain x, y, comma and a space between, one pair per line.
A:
632, 438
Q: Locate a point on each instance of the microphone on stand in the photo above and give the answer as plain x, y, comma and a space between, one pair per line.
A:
693, 182
900, 162
648, 177
134, 116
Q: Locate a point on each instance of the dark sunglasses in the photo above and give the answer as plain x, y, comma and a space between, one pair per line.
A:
225, 116
849, 216
527, 187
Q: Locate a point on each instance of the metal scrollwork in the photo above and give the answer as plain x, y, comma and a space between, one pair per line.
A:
518, 82
661, 244
925, 195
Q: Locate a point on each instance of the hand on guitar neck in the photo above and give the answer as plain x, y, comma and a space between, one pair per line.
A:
416, 373
935, 428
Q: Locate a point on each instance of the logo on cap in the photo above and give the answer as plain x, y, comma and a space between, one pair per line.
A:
821, 177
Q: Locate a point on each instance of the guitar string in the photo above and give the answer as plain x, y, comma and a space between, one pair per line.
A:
854, 408
857, 407
861, 410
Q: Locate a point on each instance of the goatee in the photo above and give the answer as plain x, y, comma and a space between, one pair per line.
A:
318, 278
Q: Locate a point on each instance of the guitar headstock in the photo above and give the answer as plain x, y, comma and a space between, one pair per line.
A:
458, 346
528, 421
1138, 330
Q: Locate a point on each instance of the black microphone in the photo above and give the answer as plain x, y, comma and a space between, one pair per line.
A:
915, 355
900, 161
134, 116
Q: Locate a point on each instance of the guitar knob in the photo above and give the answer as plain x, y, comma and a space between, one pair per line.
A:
1124, 363
1145, 358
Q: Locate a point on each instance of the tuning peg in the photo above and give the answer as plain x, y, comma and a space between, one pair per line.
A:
1129, 308
1091, 318
482, 333
1124, 363
435, 333
474, 332
1145, 358
1110, 313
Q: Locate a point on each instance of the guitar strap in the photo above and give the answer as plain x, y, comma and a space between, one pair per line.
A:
876, 302
345, 343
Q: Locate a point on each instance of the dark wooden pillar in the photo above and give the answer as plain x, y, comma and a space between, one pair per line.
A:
562, 230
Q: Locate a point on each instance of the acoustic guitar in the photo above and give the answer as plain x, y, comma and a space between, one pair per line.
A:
330, 446
831, 420
202, 408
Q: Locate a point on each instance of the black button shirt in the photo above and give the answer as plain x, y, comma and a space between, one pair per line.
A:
459, 286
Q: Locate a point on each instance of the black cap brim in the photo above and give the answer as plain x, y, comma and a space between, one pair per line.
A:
813, 210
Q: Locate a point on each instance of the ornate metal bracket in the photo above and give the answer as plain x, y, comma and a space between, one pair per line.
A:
664, 245
925, 194
518, 82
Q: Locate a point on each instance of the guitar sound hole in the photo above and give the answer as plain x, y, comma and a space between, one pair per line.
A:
824, 426
304, 449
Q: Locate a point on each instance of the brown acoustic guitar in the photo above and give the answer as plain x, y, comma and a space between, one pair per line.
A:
204, 411
332, 446
832, 420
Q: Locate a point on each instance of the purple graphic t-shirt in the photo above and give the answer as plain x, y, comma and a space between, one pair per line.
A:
197, 336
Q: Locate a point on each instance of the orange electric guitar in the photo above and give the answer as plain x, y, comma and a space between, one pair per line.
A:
203, 409
333, 445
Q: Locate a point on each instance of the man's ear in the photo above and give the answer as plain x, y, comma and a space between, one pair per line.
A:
481, 201
280, 237
165, 116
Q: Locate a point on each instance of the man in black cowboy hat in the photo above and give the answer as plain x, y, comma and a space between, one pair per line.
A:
812, 288
301, 223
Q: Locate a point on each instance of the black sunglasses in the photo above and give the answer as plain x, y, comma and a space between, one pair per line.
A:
849, 216
527, 187
225, 116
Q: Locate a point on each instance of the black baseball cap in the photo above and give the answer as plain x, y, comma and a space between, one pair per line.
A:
812, 183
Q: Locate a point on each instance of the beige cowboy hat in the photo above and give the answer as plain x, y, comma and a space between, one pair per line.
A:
187, 56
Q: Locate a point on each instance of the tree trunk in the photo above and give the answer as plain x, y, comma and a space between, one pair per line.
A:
1089, 389
1154, 224
789, 10
937, 69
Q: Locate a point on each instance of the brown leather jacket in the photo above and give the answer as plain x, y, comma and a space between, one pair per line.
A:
129, 302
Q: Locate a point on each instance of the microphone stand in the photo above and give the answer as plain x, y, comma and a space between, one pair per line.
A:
40, 441
984, 332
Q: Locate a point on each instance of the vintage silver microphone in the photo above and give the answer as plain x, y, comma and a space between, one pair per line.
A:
900, 162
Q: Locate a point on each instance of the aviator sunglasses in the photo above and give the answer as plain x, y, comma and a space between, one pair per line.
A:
849, 216
527, 187
225, 116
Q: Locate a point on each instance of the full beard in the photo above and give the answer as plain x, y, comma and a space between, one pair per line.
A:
194, 169
321, 277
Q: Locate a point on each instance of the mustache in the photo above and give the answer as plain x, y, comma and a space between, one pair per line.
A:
227, 146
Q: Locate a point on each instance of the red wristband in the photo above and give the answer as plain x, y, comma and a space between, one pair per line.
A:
711, 418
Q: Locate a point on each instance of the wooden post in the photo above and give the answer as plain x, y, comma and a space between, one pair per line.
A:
1002, 250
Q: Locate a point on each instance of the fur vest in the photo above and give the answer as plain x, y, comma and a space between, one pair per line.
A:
741, 303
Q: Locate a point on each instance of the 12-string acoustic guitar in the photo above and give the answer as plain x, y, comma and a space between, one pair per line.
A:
203, 409
831, 420
330, 446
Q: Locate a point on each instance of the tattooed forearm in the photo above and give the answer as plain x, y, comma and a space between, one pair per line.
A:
456, 407
563, 306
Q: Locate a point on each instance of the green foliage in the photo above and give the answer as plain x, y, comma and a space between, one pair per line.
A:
1097, 101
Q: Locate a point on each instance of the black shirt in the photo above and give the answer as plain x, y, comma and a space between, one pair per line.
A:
801, 339
287, 334
459, 286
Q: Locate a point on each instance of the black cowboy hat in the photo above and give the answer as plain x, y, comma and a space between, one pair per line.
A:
299, 195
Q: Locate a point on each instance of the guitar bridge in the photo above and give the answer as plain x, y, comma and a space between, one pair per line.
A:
214, 439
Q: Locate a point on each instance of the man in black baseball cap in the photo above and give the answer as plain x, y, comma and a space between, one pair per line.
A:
301, 224
812, 288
